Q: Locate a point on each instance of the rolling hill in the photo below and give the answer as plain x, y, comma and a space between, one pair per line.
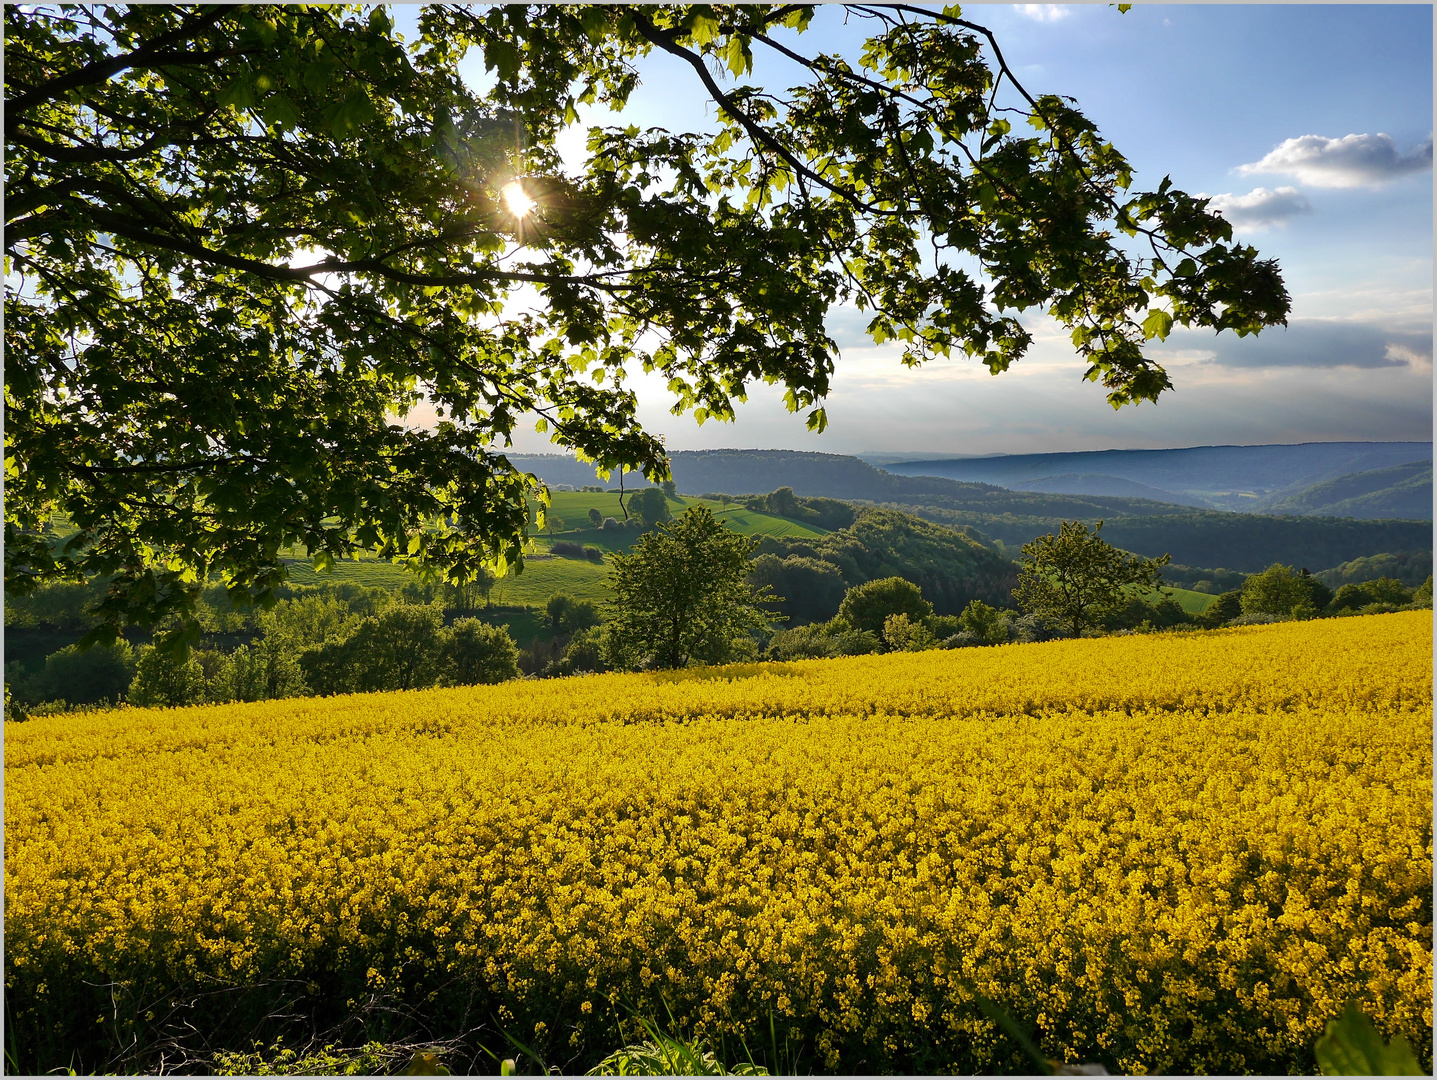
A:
1400, 491
1100, 484
1226, 477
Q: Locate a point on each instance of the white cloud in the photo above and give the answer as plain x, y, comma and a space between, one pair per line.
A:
1043, 12
1261, 208
1351, 161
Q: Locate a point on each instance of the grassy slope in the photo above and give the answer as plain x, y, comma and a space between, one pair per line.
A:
545, 575
1194, 603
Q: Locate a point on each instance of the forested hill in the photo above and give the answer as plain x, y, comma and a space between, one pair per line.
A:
1243, 542
833, 476
1210, 538
952, 567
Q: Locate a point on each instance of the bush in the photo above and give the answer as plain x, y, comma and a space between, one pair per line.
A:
1223, 610
611, 524
868, 606
1423, 593
595, 517
594, 554
819, 642
567, 549
474, 652
398, 649
1389, 591
567, 615
1279, 589
649, 506
984, 624
162, 678
584, 653
964, 639
1025, 629
902, 634
99, 674
265, 670
1168, 613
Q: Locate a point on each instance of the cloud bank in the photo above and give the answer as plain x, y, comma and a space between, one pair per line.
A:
1351, 161
1261, 208
1310, 343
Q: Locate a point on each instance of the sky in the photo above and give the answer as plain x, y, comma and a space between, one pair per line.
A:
1311, 128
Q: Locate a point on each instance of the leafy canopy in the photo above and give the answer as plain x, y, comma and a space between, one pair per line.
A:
243, 241
682, 593
1076, 578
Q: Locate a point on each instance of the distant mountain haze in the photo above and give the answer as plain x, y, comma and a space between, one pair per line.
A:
1226, 477
1194, 536
1402, 491
1099, 484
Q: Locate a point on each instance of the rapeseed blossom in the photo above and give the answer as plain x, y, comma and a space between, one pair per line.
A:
1176, 853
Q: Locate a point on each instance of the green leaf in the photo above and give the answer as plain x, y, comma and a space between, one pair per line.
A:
1352, 1047
239, 94
279, 111
1158, 325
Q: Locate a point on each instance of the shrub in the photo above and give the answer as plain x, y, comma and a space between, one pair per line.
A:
162, 678
1258, 618
818, 641
89, 677
868, 606
398, 649
964, 639
649, 506
567, 549
1279, 589
267, 669
475, 652
566, 614
901, 634
1423, 593
1223, 610
984, 624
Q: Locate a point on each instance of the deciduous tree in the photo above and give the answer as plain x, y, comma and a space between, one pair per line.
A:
1279, 589
649, 506
682, 593
243, 241
1076, 577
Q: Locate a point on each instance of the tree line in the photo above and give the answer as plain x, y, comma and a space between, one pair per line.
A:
690, 591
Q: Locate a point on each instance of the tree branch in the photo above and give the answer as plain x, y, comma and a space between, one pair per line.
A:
100, 70
654, 36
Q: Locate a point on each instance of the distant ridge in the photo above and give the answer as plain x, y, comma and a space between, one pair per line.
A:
1227, 477
1402, 491
1099, 484
1194, 536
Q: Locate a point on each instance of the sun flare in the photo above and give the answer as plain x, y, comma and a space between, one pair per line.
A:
517, 199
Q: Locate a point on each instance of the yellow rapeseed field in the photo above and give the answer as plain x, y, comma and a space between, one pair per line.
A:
1176, 853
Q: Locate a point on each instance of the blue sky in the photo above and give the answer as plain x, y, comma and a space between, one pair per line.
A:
1311, 124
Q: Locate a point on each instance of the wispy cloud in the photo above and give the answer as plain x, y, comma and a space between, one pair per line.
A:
1261, 208
1043, 12
1351, 161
